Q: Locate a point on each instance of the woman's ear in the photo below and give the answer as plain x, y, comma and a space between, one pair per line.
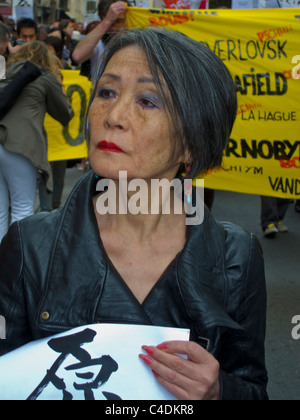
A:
187, 158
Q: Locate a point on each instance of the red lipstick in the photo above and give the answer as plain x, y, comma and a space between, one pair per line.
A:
106, 146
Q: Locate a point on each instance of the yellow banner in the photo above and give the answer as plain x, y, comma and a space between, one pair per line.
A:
67, 143
261, 49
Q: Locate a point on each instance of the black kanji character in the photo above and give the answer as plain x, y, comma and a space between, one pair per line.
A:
72, 345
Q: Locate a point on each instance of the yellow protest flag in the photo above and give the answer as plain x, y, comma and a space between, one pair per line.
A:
66, 143
260, 47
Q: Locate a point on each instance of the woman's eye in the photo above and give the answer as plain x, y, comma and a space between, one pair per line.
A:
148, 103
106, 93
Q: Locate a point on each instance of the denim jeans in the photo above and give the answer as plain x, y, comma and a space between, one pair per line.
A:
18, 185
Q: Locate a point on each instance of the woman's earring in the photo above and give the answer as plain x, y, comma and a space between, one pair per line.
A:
188, 183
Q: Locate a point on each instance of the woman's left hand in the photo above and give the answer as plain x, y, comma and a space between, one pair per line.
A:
194, 378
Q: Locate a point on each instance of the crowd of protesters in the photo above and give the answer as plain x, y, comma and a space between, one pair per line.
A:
31, 88
67, 45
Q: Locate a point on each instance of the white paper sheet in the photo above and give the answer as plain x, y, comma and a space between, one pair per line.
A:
101, 363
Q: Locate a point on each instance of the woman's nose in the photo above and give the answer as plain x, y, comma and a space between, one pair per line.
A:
117, 115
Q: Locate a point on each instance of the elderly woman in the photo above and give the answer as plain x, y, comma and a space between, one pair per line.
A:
163, 103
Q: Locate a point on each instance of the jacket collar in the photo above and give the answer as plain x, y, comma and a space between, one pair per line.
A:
192, 290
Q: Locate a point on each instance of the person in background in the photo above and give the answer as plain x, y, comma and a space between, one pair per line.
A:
23, 143
80, 28
85, 70
92, 46
4, 38
27, 31
60, 43
64, 32
58, 33
55, 46
273, 211
65, 39
10, 23
43, 31
85, 67
67, 27
51, 200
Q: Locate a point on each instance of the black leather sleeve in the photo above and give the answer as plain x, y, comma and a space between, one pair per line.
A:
244, 376
10, 93
13, 305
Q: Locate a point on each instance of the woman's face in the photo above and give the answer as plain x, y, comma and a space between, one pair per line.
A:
129, 126
69, 29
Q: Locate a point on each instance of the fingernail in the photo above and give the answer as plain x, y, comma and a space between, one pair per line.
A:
155, 374
163, 346
146, 359
147, 349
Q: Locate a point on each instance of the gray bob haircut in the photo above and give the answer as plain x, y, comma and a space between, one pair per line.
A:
201, 97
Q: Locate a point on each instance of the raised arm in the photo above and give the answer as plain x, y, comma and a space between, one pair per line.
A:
86, 47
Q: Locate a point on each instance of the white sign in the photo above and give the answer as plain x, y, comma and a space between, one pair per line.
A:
289, 3
264, 4
98, 362
22, 8
243, 4
24, 12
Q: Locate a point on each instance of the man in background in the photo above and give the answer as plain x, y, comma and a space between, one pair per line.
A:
27, 31
92, 46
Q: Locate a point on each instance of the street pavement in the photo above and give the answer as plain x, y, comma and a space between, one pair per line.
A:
282, 260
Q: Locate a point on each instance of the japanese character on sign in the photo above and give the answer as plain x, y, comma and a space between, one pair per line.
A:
72, 345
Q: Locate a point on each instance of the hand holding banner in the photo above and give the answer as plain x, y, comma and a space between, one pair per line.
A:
92, 362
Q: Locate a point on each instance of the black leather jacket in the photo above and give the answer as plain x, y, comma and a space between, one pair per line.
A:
55, 275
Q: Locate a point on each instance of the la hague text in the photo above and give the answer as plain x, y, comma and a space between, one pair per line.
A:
259, 115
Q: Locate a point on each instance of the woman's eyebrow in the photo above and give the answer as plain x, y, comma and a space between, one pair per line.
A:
116, 78
146, 80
